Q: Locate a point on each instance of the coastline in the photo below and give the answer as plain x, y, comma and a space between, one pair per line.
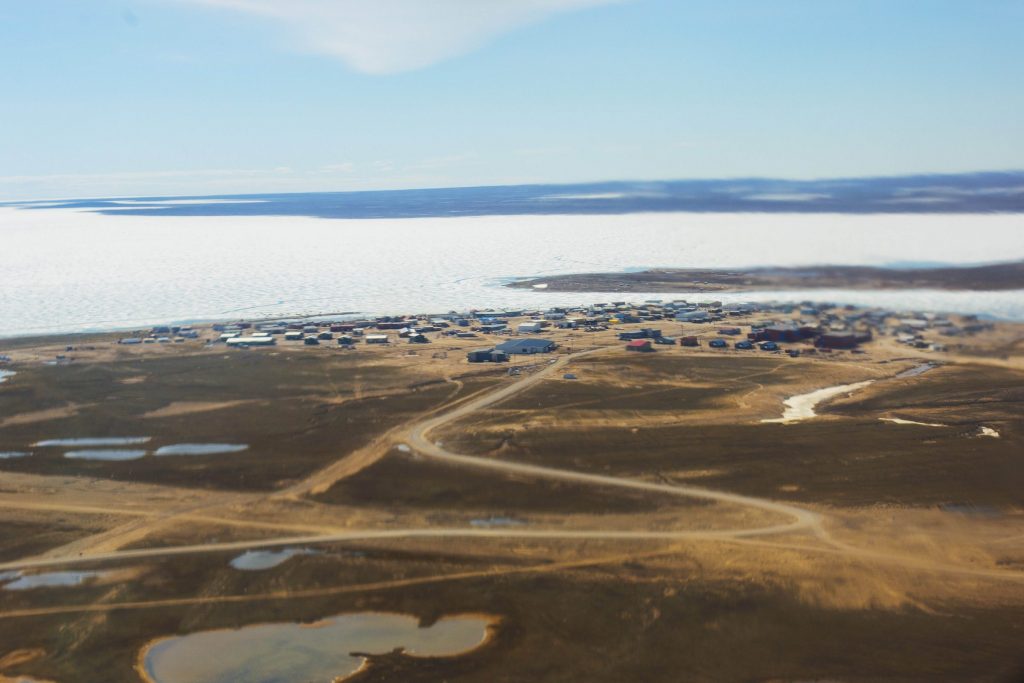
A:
996, 277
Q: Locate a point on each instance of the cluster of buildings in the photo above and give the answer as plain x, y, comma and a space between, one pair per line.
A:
812, 327
163, 334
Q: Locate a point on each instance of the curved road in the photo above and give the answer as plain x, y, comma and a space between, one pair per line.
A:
802, 520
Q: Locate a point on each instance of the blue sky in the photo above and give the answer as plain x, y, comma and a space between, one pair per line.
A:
135, 97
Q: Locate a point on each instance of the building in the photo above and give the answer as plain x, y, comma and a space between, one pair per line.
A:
526, 346
376, 339
694, 317
486, 356
529, 328
639, 345
251, 341
784, 333
689, 341
843, 340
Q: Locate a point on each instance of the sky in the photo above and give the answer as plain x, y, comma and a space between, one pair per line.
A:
194, 97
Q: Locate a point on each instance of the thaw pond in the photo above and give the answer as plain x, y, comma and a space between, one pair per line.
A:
801, 407
8, 455
324, 651
901, 421
90, 442
201, 448
23, 582
106, 454
496, 522
258, 560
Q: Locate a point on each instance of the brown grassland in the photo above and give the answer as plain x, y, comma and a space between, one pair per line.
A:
844, 547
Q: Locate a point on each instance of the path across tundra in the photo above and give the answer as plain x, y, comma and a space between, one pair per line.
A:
418, 438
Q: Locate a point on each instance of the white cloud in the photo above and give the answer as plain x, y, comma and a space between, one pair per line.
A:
391, 36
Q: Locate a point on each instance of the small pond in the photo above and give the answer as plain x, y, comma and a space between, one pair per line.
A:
23, 582
258, 560
106, 454
201, 448
9, 455
290, 652
496, 522
90, 442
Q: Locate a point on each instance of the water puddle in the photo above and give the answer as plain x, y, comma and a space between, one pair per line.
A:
89, 442
496, 522
106, 454
24, 582
258, 560
9, 455
801, 407
971, 510
325, 651
901, 421
201, 448
4, 374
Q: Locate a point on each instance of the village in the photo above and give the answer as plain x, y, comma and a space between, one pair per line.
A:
807, 328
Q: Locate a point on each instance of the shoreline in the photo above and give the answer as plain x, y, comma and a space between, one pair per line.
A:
998, 277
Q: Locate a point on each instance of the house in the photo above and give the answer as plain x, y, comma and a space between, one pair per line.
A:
718, 344
245, 342
768, 346
689, 341
491, 328
418, 339
526, 346
311, 341
639, 345
486, 356
376, 339
529, 328
666, 341
730, 331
